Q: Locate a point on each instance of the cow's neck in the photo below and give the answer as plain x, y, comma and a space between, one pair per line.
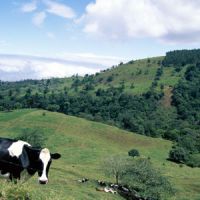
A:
33, 155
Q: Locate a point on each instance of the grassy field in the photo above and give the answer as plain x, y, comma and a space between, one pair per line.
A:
83, 145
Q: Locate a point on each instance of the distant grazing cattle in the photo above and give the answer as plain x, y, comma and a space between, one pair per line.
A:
101, 183
111, 190
106, 189
17, 156
83, 180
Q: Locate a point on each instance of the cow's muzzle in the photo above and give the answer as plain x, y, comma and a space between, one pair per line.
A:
43, 182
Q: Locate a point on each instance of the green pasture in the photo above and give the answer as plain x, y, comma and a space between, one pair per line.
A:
83, 145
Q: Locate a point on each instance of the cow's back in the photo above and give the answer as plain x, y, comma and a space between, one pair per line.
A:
5, 143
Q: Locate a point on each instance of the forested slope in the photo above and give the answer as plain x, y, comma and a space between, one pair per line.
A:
156, 97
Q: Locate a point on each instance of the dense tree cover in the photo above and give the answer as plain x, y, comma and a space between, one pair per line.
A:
186, 98
187, 95
111, 106
180, 58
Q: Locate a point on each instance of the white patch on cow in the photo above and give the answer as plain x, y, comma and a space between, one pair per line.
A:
7, 175
44, 157
16, 148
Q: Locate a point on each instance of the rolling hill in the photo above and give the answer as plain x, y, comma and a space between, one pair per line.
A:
136, 76
83, 145
157, 97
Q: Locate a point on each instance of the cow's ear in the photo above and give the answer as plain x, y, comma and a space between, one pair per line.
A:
55, 155
24, 159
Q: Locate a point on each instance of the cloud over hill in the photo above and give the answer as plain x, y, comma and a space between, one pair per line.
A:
20, 67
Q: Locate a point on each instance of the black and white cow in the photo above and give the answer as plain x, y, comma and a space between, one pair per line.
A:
17, 156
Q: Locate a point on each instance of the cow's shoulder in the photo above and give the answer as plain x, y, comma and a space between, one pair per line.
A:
16, 148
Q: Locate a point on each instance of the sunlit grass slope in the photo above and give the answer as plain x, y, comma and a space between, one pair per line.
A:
83, 145
138, 76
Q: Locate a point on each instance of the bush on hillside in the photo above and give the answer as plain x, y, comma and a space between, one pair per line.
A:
133, 153
115, 166
194, 160
179, 155
148, 182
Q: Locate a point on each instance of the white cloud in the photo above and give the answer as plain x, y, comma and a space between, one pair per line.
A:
29, 7
59, 9
19, 67
166, 20
95, 60
39, 18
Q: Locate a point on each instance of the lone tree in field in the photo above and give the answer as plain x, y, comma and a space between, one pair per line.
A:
140, 176
149, 183
115, 166
133, 153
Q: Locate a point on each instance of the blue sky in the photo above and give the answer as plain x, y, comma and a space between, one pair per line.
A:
58, 38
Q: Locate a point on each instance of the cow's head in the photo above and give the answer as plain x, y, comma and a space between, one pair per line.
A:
40, 161
45, 158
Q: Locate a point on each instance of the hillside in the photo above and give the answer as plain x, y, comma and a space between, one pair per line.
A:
157, 97
83, 145
135, 76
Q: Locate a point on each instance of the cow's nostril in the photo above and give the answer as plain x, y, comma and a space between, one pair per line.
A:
43, 182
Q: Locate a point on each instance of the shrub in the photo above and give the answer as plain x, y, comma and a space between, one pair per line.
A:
149, 183
11, 191
115, 166
178, 154
194, 160
133, 153
110, 79
43, 114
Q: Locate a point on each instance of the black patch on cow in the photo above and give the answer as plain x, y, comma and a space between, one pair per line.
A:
55, 156
24, 159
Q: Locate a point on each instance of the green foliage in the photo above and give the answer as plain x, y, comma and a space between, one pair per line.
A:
11, 191
186, 98
187, 95
115, 166
53, 107
148, 182
35, 137
133, 153
140, 176
182, 57
110, 78
179, 154
194, 160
